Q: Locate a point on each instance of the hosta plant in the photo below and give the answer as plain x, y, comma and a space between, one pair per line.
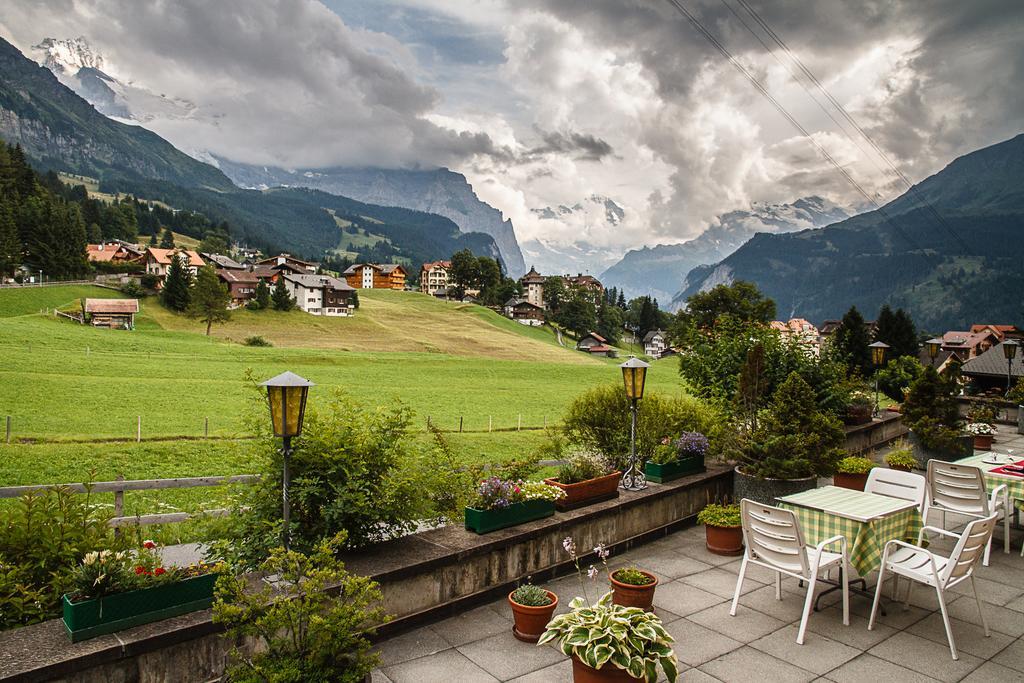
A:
606, 634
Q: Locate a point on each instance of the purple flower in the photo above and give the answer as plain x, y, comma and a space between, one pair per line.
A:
592, 572
691, 443
569, 546
601, 552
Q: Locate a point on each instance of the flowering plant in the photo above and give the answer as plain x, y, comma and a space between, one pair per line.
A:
687, 445
860, 398
107, 572
495, 493
980, 429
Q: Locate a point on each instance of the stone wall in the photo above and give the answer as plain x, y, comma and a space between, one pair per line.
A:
879, 432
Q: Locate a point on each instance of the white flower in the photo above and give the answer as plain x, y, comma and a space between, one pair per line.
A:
592, 572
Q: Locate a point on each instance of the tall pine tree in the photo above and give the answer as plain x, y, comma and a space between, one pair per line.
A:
850, 343
209, 299
176, 293
262, 295
283, 301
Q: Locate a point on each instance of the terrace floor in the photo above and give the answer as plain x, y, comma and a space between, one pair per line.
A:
759, 643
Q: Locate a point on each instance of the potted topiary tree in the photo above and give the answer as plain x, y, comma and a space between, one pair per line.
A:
852, 472
722, 528
586, 477
532, 607
793, 445
933, 416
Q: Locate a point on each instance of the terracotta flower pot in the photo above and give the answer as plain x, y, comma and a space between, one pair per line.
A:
849, 480
586, 492
628, 595
530, 621
581, 673
982, 442
724, 540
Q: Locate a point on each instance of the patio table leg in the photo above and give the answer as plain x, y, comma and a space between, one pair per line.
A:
837, 585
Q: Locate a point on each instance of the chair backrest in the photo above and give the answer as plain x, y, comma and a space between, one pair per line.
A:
969, 549
772, 535
897, 484
958, 488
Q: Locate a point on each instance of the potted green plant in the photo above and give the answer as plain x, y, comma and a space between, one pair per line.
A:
983, 434
852, 472
859, 410
586, 477
933, 416
901, 457
608, 641
503, 503
675, 458
793, 444
532, 607
117, 590
722, 528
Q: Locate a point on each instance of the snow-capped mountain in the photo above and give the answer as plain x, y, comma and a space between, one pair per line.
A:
659, 271
83, 69
593, 215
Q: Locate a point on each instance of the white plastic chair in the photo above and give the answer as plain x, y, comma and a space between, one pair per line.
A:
941, 573
961, 489
774, 541
897, 484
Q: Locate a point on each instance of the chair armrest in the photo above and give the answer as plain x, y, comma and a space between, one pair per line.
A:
936, 530
829, 541
995, 494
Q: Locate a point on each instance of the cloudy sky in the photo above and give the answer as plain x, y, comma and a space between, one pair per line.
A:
548, 102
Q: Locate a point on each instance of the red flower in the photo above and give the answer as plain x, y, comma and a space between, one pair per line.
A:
159, 570
148, 545
139, 569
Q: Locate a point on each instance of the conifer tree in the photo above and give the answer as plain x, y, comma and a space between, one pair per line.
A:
262, 296
283, 301
10, 245
167, 239
850, 343
177, 285
209, 299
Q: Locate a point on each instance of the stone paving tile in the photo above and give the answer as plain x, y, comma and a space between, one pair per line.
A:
818, 653
721, 583
763, 600
1016, 605
855, 635
991, 591
411, 645
695, 676
698, 550
504, 657
896, 616
1012, 656
870, 668
695, 645
925, 656
684, 599
377, 676
472, 625
746, 626
549, 674
990, 672
1008, 621
670, 564
969, 638
747, 664
449, 665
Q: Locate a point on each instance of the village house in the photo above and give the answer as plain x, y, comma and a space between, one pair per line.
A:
289, 262
221, 261
434, 278
533, 287
829, 327
375, 276
524, 312
967, 345
159, 260
802, 330
113, 251
988, 370
241, 285
595, 344
116, 314
320, 294
586, 283
655, 343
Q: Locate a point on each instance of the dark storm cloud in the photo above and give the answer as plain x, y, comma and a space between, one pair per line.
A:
582, 146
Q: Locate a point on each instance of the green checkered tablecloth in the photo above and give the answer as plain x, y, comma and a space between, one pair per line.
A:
867, 520
1014, 485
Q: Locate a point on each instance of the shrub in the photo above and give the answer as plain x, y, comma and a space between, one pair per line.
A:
582, 465
149, 281
600, 419
257, 340
794, 439
133, 289
531, 596
901, 455
720, 515
981, 412
311, 625
931, 411
897, 375
632, 576
855, 465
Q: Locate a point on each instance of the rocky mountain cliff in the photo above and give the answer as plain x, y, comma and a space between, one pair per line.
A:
659, 271
439, 191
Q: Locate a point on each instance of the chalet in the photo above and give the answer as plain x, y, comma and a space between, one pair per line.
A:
434, 277
241, 285
320, 294
533, 286
524, 312
221, 262
1002, 331
967, 345
290, 263
655, 343
113, 252
375, 276
159, 260
800, 329
989, 369
117, 314
594, 343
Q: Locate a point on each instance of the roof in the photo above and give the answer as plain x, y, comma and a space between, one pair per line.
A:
992, 363
585, 280
650, 335
111, 306
286, 257
222, 261
515, 302
318, 281
164, 256
355, 267
600, 348
391, 267
436, 264
1001, 329
594, 335
533, 276
102, 252
967, 340
264, 271
232, 276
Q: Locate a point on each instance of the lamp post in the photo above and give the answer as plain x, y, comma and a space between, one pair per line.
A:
634, 373
286, 395
878, 350
1009, 352
934, 346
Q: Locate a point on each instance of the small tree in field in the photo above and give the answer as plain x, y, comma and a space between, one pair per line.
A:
210, 299
177, 285
262, 297
283, 301
167, 239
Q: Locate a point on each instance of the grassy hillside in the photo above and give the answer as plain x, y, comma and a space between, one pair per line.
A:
16, 301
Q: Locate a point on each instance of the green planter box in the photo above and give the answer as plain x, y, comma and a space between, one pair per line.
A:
483, 521
674, 470
96, 617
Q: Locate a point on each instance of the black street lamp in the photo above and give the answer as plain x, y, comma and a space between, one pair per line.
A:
634, 374
1009, 352
934, 346
286, 395
878, 350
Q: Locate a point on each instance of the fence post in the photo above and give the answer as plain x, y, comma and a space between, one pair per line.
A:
488, 423
206, 427
118, 504
519, 425
87, 350
138, 430
8, 429
545, 421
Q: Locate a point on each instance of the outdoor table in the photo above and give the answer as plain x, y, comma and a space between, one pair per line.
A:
1014, 485
867, 520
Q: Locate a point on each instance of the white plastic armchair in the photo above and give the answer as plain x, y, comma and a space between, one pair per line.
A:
913, 562
961, 489
896, 484
774, 541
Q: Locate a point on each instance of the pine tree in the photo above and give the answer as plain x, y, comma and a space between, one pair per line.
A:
154, 240
904, 338
10, 245
167, 239
283, 301
621, 303
177, 285
648, 319
609, 322
850, 343
262, 296
209, 299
